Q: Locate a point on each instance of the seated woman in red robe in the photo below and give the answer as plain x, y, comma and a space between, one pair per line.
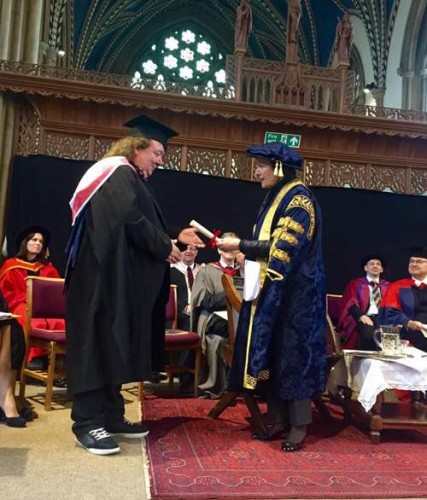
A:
31, 260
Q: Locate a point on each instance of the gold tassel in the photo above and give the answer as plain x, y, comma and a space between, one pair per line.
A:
278, 170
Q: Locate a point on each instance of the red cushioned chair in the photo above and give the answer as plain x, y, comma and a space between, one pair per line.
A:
177, 340
45, 299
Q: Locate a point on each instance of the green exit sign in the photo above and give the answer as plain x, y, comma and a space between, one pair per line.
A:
292, 140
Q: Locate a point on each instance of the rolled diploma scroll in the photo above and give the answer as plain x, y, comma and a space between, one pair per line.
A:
201, 229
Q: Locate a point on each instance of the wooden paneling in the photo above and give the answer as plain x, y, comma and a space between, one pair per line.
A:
105, 120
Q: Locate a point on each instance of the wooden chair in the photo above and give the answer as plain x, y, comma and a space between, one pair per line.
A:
333, 311
45, 299
234, 304
177, 341
333, 307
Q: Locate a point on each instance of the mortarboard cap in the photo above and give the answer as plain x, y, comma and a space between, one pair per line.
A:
373, 256
30, 230
276, 151
420, 252
150, 128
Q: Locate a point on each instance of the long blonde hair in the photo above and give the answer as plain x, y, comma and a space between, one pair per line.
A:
126, 146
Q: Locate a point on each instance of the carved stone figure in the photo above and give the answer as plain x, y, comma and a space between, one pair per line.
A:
294, 16
344, 38
243, 26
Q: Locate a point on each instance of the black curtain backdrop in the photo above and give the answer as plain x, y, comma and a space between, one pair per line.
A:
356, 221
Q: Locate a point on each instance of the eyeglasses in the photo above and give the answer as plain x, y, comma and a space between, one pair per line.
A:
417, 261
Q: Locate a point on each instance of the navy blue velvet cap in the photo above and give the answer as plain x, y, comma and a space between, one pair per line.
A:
276, 151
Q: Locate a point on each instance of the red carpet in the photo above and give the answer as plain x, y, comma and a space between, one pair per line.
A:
192, 456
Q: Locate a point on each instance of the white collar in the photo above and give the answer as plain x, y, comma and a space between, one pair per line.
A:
418, 282
224, 264
375, 280
183, 267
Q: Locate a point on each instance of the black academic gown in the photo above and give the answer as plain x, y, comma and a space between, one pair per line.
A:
119, 281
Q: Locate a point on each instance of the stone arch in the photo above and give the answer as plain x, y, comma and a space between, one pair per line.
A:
413, 63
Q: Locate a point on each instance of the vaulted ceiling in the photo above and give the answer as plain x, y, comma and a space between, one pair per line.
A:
111, 35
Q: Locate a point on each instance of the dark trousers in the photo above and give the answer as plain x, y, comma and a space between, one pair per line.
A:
293, 412
283, 412
365, 337
98, 408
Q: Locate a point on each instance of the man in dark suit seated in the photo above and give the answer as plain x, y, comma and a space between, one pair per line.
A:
183, 274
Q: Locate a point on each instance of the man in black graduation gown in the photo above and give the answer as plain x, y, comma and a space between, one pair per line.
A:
117, 284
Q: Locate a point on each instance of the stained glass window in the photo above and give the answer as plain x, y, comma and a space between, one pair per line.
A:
183, 56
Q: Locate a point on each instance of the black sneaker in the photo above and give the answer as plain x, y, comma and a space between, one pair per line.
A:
128, 429
98, 442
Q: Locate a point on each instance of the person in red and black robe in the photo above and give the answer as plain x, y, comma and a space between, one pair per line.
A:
406, 301
360, 305
31, 260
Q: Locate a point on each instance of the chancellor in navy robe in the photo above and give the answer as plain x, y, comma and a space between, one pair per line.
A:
281, 333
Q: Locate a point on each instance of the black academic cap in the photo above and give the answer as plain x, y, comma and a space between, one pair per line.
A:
150, 128
420, 251
30, 230
276, 151
373, 256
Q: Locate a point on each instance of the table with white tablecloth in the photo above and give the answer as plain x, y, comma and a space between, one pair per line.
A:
372, 375
368, 374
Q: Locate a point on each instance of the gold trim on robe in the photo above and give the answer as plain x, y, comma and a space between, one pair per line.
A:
15, 263
249, 382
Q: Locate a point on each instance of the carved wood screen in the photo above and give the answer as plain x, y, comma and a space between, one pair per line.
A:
32, 138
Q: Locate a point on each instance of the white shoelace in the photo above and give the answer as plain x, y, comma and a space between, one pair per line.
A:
100, 433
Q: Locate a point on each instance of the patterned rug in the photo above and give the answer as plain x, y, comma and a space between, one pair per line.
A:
191, 456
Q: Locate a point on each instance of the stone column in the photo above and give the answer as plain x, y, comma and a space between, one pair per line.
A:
20, 28
423, 86
378, 95
34, 24
7, 116
407, 87
5, 28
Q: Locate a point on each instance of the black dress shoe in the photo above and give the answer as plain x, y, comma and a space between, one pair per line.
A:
28, 413
24, 415
14, 421
287, 446
274, 433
